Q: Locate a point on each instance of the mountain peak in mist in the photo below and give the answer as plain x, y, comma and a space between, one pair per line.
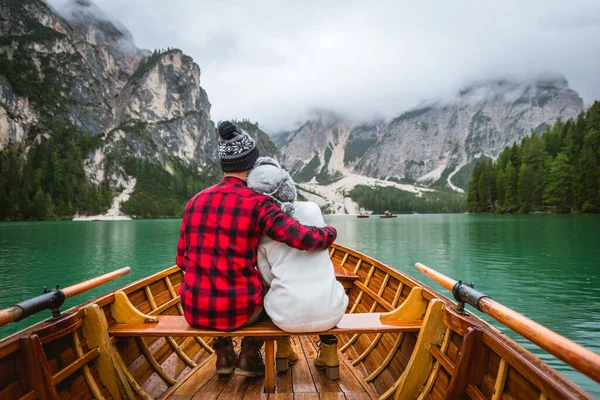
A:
85, 16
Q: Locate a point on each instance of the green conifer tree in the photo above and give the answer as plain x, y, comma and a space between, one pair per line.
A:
500, 189
484, 193
525, 188
557, 191
511, 202
589, 173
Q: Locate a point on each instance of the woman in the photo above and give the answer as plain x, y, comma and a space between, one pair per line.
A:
303, 295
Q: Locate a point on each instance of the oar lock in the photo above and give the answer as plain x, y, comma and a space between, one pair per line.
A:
466, 293
51, 299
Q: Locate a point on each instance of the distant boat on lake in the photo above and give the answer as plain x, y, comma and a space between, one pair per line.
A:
388, 214
362, 214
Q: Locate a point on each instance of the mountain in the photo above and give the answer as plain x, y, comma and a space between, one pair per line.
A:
314, 149
429, 145
85, 113
80, 71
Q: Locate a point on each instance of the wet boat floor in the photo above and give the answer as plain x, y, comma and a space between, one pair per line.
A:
303, 381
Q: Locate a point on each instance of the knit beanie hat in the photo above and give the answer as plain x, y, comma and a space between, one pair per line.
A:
237, 150
269, 179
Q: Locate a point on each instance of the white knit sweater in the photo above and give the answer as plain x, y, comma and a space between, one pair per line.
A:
304, 295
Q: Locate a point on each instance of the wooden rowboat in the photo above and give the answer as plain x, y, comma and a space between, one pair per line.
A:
429, 350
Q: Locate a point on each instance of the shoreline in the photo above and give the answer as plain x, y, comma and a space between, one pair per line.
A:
102, 217
114, 213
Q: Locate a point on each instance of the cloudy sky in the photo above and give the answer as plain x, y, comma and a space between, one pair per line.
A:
273, 61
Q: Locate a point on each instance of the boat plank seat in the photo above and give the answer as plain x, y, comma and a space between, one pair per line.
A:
177, 326
130, 322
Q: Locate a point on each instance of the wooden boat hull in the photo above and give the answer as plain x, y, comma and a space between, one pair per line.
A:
362, 216
388, 216
453, 356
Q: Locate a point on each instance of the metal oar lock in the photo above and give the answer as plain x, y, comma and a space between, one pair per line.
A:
466, 293
53, 299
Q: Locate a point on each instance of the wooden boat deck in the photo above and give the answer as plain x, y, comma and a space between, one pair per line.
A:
302, 381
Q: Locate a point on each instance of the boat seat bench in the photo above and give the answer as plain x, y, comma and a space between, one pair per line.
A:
176, 326
130, 322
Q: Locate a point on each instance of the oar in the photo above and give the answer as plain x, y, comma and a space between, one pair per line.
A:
577, 356
54, 298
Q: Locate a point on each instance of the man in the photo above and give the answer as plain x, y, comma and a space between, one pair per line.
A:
218, 245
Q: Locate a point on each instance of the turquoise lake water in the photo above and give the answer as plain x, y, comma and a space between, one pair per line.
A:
546, 267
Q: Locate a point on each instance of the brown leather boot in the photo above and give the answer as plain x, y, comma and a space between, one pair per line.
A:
226, 356
327, 358
285, 355
250, 363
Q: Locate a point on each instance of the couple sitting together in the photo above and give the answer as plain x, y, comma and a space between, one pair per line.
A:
240, 246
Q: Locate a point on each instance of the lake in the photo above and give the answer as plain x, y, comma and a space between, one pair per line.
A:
546, 267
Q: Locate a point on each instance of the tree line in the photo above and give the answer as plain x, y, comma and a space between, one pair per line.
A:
556, 171
381, 199
50, 182
162, 193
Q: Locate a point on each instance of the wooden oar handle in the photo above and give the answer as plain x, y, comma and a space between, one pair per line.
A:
81, 287
442, 279
10, 314
577, 356
53, 299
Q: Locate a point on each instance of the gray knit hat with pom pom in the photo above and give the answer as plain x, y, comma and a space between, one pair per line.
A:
237, 150
269, 179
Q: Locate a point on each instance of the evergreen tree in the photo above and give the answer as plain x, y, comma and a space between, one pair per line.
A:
525, 188
472, 198
511, 202
537, 188
515, 155
579, 132
500, 189
42, 205
568, 143
484, 194
533, 156
593, 118
503, 158
558, 192
589, 173
553, 140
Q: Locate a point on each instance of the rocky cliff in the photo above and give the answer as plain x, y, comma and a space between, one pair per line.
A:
316, 149
81, 67
433, 142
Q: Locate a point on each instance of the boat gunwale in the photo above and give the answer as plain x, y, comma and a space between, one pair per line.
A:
556, 384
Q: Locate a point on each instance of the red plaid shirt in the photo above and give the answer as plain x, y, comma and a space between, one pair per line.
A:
217, 247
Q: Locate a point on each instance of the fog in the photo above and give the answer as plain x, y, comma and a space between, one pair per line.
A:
275, 61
